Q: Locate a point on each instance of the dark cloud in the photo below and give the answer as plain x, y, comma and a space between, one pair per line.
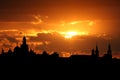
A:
84, 43
115, 42
47, 37
55, 42
21, 10
11, 39
20, 26
6, 45
8, 37
78, 43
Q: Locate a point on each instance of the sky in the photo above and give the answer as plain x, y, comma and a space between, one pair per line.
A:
74, 26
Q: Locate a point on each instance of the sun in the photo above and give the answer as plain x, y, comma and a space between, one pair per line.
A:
69, 35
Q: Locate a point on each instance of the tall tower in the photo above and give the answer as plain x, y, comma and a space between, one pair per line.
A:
93, 52
109, 53
109, 50
24, 47
97, 51
2, 51
24, 40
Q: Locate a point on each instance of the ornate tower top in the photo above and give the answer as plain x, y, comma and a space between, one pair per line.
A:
96, 47
109, 49
97, 51
24, 40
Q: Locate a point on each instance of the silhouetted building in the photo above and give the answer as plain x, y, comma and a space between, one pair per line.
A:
22, 55
45, 53
2, 51
24, 47
31, 53
17, 50
10, 52
55, 54
109, 53
109, 50
93, 52
97, 51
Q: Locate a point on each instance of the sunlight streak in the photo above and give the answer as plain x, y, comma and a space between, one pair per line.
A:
69, 35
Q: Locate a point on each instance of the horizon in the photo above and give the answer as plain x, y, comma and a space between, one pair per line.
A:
66, 54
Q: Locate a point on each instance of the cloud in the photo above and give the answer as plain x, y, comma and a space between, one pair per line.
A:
78, 43
46, 37
38, 19
11, 39
56, 42
6, 45
21, 10
8, 38
19, 26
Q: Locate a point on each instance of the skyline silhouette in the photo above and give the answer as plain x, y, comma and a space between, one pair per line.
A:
24, 48
24, 55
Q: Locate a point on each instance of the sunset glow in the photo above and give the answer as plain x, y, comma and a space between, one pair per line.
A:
69, 35
91, 23
60, 25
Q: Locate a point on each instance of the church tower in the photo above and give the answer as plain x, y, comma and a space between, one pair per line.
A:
109, 53
93, 52
2, 51
97, 51
109, 50
24, 47
24, 40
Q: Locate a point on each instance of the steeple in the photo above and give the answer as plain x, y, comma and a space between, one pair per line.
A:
109, 53
97, 51
109, 50
2, 51
24, 47
24, 40
93, 52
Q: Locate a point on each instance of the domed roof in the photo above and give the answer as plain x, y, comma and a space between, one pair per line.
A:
16, 48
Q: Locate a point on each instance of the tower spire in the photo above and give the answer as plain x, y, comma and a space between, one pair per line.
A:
93, 54
2, 51
109, 49
24, 40
24, 47
97, 51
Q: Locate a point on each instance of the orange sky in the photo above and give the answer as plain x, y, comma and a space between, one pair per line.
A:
61, 25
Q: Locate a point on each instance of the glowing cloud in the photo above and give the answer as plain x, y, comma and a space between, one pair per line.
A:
75, 22
91, 23
38, 18
69, 35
